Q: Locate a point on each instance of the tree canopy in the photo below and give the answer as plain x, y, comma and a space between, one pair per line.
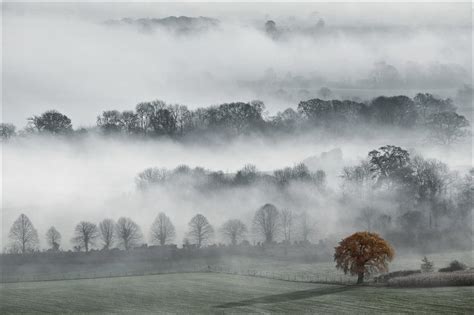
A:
363, 253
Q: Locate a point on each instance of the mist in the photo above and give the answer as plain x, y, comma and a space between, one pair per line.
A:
66, 57
59, 181
84, 59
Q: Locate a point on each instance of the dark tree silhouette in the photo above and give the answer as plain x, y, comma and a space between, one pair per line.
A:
447, 127
389, 163
247, 175
266, 222
162, 230
107, 233
234, 230
85, 235
200, 231
426, 104
431, 179
23, 235
51, 121
110, 121
53, 238
7, 131
394, 111
128, 233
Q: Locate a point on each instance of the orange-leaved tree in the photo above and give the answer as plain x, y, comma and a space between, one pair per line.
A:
363, 253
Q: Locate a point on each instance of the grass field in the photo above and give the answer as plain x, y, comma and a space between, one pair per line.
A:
220, 293
323, 270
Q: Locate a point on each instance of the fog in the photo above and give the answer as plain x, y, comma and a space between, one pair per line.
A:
71, 58
59, 181
63, 56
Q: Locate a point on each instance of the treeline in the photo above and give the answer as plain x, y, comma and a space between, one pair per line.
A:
204, 179
411, 200
157, 119
268, 223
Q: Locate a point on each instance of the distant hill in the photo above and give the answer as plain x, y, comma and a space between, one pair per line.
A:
180, 25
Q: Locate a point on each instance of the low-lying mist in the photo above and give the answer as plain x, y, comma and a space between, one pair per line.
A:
58, 181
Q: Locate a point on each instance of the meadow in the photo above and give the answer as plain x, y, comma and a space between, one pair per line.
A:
199, 293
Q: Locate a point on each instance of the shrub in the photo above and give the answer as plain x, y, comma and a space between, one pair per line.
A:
435, 279
401, 273
453, 266
426, 265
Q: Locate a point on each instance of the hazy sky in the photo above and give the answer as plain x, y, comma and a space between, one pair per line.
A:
60, 56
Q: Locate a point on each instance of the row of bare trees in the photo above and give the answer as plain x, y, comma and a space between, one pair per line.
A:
268, 223
271, 223
125, 233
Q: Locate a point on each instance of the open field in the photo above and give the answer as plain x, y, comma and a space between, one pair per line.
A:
268, 265
219, 293
327, 270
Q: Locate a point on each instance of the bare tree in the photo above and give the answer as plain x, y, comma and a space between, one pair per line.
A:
85, 235
234, 230
162, 230
266, 222
287, 224
200, 231
107, 233
53, 238
305, 227
128, 233
23, 235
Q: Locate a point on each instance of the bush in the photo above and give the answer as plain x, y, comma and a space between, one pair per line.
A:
435, 279
426, 265
453, 266
401, 273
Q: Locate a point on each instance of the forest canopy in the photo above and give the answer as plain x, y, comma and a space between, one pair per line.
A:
436, 117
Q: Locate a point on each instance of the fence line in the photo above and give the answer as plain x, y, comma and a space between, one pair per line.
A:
284, 276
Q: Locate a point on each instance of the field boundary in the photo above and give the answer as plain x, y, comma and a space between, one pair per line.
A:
284, 276
94, 275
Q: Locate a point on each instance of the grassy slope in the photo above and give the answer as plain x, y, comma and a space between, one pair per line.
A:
322, 269
217, 293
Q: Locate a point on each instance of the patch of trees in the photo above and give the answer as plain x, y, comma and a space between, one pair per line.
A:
424, 112
157, 118
210, 180
269, 225
409, 198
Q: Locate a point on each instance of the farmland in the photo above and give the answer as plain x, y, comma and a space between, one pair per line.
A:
219, 293
271, 264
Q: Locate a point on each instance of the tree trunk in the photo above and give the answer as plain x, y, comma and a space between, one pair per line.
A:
360, 278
